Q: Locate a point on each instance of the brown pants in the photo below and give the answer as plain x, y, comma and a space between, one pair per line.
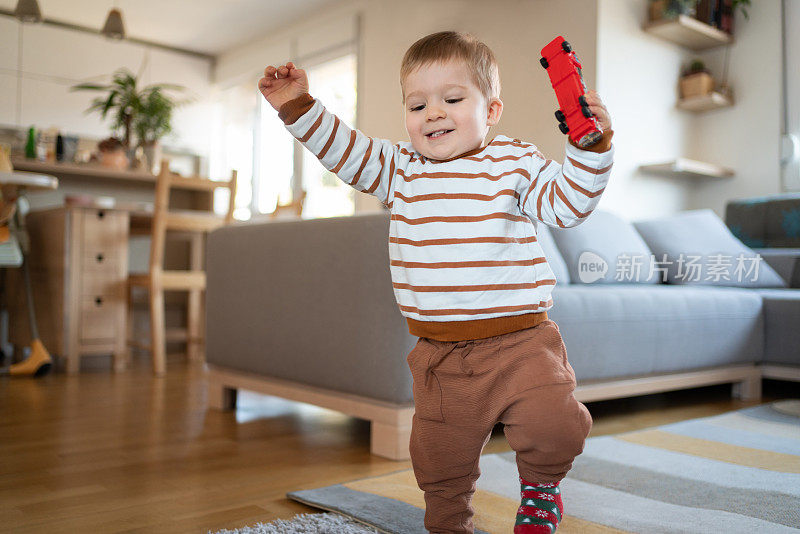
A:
462, 389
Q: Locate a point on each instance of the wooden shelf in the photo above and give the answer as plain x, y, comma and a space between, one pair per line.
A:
688, 32
75, 169
707, 102
688, 168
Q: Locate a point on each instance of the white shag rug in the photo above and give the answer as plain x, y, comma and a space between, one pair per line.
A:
327, 523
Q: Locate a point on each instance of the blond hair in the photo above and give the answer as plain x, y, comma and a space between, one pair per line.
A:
445, 46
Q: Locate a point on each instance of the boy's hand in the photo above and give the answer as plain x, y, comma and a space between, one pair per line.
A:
282, 84
599, 110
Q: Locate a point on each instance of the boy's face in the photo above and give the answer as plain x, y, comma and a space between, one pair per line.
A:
442, 96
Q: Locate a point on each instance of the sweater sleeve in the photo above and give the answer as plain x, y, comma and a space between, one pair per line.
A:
563, 195
367, 164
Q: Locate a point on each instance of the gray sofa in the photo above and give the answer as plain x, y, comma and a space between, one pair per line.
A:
304, 310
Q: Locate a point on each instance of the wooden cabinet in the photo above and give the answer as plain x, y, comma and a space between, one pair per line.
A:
79, 271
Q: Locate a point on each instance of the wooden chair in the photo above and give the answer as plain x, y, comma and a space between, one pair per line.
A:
192, 225
291, 210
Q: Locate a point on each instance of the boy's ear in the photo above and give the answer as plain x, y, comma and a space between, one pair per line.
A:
495, 110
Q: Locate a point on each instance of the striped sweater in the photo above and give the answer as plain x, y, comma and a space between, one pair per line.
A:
464, 258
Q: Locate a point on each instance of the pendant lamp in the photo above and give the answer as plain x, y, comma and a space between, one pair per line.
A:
113, 27
28, 11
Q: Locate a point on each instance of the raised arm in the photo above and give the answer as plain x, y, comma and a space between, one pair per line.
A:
364, 163
563, 195
367, 164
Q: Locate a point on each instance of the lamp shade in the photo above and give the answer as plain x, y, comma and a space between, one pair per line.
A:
113, 27
28, 11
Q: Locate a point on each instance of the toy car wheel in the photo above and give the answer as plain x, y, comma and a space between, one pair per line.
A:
586, 112
563, 127
566, 46
544, 63
582, 101
560, 116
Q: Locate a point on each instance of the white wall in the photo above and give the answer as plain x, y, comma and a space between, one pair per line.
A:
745, 137
53, 59
637, 78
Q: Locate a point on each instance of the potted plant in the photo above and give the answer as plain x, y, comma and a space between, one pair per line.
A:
153, 122
696, 80
124, 101
670, 9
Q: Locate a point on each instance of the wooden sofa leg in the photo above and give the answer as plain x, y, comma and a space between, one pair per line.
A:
221, 396
390, 441
749, 388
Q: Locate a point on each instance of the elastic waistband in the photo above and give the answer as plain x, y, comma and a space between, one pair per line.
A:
477, 329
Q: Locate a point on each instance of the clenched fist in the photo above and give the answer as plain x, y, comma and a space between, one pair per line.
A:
282, 84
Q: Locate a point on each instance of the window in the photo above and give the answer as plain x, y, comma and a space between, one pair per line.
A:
333, 82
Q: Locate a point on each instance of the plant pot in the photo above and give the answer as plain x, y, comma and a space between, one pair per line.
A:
698, 84
657, 9
114, 159
152, 151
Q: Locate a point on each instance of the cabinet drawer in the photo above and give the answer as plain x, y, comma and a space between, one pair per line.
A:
102, 283
99, 319
103, 229
102, 259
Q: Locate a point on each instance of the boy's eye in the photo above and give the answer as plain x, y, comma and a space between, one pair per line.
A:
449, 101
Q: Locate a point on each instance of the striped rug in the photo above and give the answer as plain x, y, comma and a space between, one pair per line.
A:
730, 473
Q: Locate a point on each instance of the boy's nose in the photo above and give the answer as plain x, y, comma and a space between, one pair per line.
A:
435, 113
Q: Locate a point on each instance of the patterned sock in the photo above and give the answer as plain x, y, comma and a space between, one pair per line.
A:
541, 508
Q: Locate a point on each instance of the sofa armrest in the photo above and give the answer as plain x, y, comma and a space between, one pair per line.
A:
785, 261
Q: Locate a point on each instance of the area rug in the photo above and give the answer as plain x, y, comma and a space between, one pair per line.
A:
730, 473
306, 524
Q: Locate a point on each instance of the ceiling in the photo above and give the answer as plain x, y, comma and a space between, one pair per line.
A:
206, 26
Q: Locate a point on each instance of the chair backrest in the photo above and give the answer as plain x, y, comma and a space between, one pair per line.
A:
291, 210
199, 222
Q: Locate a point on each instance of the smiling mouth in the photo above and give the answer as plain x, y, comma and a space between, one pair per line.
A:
437, 134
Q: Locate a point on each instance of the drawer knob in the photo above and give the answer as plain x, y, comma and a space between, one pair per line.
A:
101, 214
98, 301
100, 258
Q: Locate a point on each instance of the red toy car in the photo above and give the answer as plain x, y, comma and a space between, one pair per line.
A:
574, 116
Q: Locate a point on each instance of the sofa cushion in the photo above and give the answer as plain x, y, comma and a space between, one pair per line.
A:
781, 317
628, 330
551, 253
697, 248
605, 240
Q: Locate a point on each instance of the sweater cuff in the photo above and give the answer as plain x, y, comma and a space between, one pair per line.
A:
296, 108
603, 145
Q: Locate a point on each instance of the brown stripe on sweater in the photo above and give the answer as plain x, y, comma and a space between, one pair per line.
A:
479, 311
464, 196
363, 163
459, 241
391, 179
313, 129
580, 189
553, 204
564, 199
487, 287
502, 158
539, 202
463, 264
346, 152
493, 177
586, 168
459, 218
377, 181
330, 139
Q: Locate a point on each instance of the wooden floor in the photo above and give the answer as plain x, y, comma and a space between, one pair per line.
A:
100, 452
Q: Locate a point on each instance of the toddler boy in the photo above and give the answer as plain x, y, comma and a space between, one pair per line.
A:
467, 270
